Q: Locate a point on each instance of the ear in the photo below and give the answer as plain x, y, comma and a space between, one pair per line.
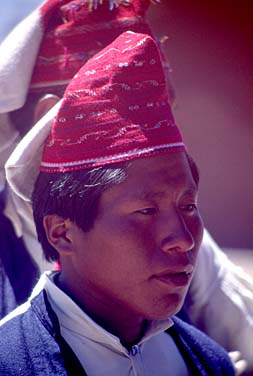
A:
58, 231
44, 105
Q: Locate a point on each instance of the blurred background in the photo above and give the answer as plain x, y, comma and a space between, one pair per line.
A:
13, 11
210, 49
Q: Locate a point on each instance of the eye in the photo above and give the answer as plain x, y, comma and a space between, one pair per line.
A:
190, 208
146, 211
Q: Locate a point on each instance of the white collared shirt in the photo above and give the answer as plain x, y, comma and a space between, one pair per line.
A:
102, 353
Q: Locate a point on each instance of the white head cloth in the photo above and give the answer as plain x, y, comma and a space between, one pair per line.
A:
18, 53
22, 167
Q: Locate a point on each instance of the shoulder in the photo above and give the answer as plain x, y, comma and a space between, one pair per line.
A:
21, 323
23, 335
201, 349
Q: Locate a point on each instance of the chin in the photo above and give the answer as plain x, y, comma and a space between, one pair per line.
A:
175, 303
169, 308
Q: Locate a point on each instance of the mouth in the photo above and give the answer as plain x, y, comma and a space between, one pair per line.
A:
176, 278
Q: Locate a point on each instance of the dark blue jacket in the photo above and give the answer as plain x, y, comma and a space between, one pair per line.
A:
31, 345
18, 272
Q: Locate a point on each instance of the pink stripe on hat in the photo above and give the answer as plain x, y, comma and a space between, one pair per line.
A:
115, 109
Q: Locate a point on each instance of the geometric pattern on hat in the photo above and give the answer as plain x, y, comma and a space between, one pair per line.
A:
116, 108
73, 32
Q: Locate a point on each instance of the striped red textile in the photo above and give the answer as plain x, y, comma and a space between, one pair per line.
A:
115, 109
73, 33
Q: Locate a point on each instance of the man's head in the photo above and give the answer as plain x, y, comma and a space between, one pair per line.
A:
75, 196
116, 199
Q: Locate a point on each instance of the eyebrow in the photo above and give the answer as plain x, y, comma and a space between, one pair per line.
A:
147, 195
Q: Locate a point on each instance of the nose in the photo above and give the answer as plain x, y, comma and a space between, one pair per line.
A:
177, 235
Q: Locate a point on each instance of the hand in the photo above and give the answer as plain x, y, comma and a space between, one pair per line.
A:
240, 365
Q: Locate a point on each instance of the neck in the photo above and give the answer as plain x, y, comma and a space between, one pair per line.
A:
114, 318
128, 330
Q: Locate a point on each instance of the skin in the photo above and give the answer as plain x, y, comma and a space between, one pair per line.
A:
136, 263
44, 105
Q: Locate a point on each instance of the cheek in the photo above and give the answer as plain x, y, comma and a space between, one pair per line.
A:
130, 242
195, 226
129, 232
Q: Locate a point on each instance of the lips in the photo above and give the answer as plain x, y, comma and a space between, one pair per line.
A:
176, 277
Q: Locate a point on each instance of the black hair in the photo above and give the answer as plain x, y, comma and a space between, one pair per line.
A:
75, 195
72, 195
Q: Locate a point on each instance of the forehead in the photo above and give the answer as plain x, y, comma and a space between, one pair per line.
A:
154, 176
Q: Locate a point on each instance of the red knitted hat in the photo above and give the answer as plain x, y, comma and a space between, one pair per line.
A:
75, 30
115, 109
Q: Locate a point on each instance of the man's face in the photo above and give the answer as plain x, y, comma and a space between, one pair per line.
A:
138, 258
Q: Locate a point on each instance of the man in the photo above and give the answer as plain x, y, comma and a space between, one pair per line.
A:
116, 203
214, 271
